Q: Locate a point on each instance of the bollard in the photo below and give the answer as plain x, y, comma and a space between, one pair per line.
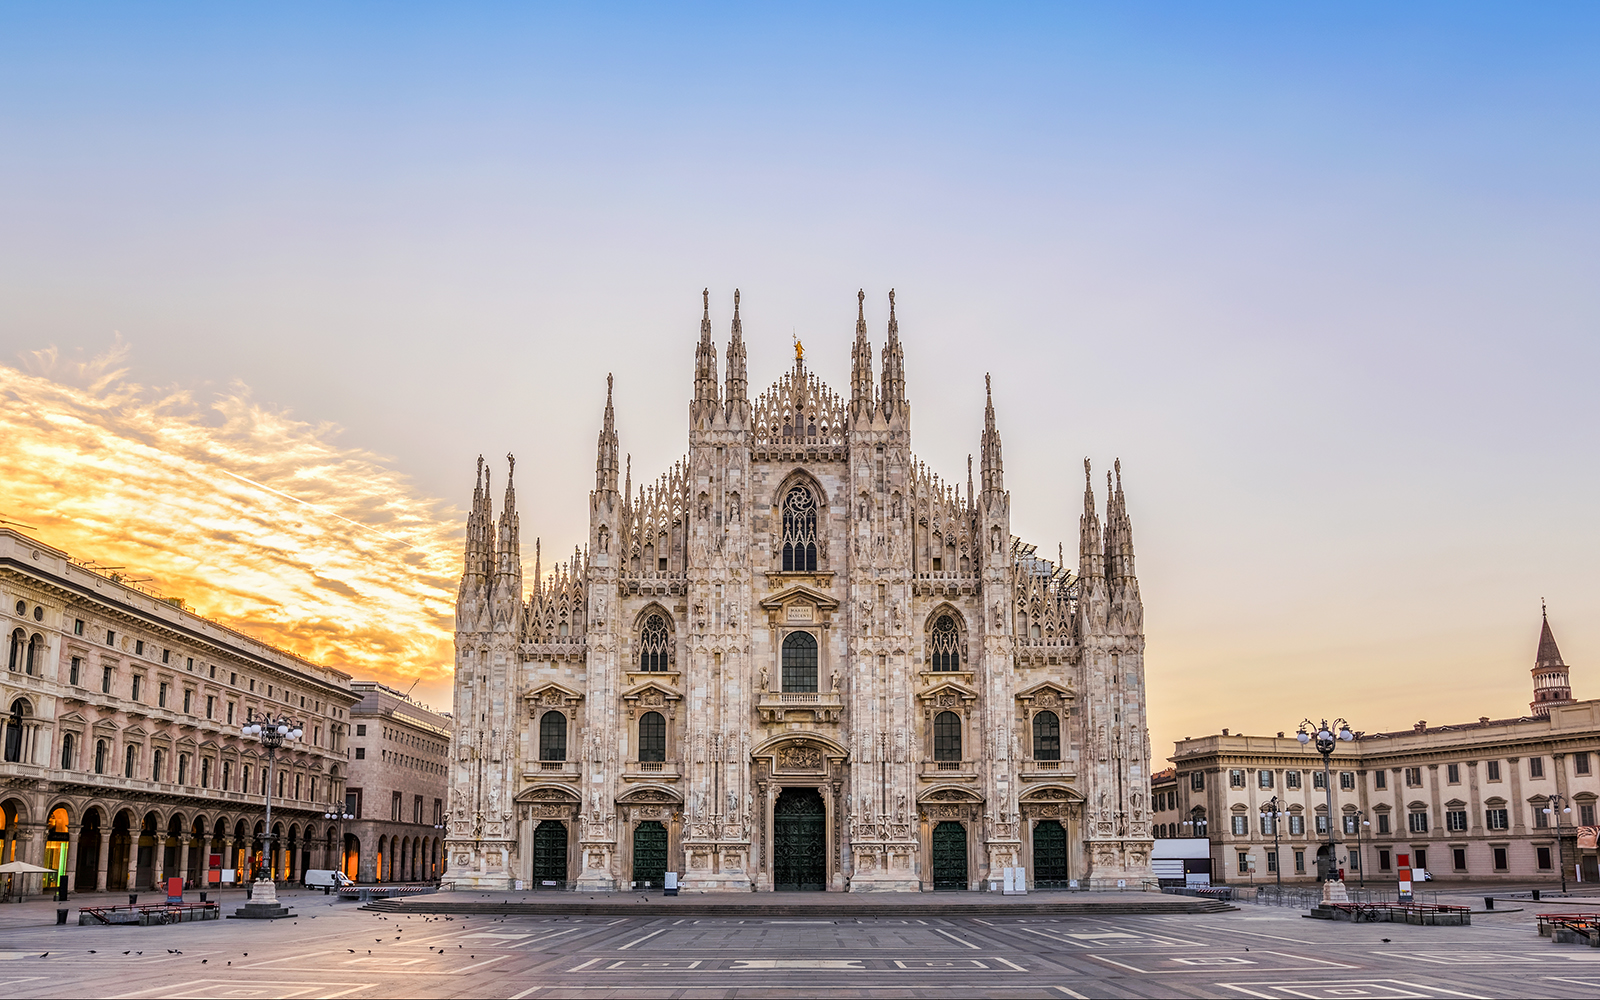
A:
202, 897
1488, 902
61, 914
133, 897
1536, 895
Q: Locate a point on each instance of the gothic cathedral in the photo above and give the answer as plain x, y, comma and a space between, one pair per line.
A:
799, 660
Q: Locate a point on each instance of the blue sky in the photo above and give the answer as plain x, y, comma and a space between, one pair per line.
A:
1322, 275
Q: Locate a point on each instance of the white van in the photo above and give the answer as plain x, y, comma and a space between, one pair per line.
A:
326, 878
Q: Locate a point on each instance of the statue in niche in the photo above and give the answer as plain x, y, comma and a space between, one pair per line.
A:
833, 682
761, 684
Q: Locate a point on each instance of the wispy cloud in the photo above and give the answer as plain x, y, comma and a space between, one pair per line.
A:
253, 517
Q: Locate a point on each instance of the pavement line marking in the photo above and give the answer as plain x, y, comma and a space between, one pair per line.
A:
585, 965
1275, 937
1003, 961
647, 937
1054, 937
1070, 993
957, 940
1283, 987
527, 992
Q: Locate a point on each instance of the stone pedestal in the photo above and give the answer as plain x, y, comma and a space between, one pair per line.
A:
1333, 891
263, 904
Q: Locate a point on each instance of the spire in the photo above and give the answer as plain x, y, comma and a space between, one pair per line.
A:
1091, 555
1119, 529
972, 497
993, 466
705, 357
605, 474
738, 385
1549, 655
1552, 683
478, 563
894, 366
506, 595
861, 362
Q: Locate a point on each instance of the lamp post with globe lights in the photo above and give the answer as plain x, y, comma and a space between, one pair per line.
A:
337, 813
273, 733
1554, 807
1327, 736
1274, 810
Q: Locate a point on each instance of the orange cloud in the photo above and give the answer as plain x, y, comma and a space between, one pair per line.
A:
256, 519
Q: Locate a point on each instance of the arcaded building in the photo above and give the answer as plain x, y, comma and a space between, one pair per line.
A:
124, 763
800, 659
396, 787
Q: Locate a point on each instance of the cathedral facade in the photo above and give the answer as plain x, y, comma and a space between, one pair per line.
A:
799, 659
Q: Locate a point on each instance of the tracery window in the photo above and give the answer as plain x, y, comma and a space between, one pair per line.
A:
655, 645
947, 736
553, 736
652, 737
945, 644
800, 662
1046, 736
799, 531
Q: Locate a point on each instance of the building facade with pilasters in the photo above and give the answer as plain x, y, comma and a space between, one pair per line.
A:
1512, 800
799, 659
123, 760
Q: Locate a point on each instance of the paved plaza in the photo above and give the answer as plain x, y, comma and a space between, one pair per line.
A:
336, 949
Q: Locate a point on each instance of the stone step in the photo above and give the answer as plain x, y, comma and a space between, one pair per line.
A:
761, 909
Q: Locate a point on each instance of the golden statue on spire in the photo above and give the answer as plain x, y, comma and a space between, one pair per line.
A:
799, 350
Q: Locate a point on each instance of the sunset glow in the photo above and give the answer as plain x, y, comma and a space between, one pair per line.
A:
252, 517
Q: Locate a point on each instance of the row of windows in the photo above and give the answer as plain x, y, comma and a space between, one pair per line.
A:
653, 737
1581, 765
26, 655
1500, 855
1417, 821
799, 659
210, 774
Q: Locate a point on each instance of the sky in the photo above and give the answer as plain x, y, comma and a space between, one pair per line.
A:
272, 276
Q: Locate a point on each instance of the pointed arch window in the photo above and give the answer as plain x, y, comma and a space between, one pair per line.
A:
945, 644
652, 737
800, 662
799, 531
1046, 736
553, 736
947, 737
655, 645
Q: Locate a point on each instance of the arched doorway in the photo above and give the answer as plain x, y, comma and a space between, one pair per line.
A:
1325, 863
649, 854
87, 877
550, 855
799, 841
352, 857
950, 855
117, 863
1050, 855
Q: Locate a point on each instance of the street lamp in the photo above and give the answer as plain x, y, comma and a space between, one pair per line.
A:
1361, 859
1558, 804
273, 733
1327, 737
334, 813
1275, 810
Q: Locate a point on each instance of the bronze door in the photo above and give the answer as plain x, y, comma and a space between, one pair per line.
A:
949, 856
550, 855
1050, 855
800, 841
650, 854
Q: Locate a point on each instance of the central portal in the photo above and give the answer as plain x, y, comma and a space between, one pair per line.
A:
800, 841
